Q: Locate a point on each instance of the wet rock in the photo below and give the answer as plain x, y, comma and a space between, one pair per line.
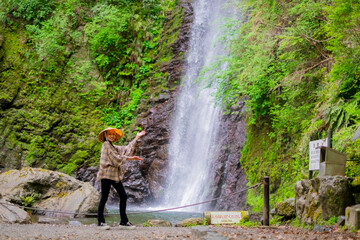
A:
87, 174
153, 146
156, 120
180, 46
229, 177
135, 184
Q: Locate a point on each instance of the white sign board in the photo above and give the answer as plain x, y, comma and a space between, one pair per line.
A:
314, 153
226, 217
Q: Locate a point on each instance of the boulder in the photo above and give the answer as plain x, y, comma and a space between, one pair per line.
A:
83, 199
190, 222
54, 190
352, 216
322, 198
159, 223
286, 209
10, 213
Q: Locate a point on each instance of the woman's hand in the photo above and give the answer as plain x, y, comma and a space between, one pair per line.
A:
135, 158
140, 134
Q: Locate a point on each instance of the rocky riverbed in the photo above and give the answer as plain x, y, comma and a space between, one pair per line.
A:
89, 232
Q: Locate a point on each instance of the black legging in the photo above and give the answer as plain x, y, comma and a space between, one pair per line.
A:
105, 189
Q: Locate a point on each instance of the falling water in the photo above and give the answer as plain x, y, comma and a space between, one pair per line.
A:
196, 120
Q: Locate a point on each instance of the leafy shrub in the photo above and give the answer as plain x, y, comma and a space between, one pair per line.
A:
293, 64
30, 200
30, 10
108, 34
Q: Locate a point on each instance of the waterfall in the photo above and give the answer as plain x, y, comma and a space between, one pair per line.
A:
196, 117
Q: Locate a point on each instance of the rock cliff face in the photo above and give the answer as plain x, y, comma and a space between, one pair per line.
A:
145, 181
228, 176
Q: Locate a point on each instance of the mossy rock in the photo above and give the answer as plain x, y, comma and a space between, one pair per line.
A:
286, 208
190, 222
158, 223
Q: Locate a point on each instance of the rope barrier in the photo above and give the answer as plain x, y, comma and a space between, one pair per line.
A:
353, 160
194, 204
160, 210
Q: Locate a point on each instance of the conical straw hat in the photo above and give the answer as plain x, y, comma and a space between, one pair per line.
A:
118, 132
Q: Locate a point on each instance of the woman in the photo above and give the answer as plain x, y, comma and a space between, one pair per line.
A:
110, 172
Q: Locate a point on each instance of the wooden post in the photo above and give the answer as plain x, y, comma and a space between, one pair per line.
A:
310, 174
266, 208
330, 138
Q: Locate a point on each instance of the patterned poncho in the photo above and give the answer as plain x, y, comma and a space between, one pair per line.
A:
111, 160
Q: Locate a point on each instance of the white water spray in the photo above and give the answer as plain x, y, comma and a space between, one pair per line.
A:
196, 120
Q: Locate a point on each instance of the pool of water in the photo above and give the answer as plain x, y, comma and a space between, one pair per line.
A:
140, 216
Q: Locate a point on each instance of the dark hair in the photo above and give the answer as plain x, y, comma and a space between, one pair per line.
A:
106, 140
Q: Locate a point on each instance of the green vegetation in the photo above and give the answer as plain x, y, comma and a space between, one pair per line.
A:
69, 69
30, 200
246, 222
295, 65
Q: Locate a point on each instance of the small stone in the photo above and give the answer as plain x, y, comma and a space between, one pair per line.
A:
272, 212
190, 222
159, 223
75, 223
322, 229
341, 220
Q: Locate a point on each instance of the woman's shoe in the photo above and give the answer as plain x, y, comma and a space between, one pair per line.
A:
127, 225
103, 226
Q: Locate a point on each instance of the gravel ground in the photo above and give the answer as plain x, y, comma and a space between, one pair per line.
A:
286, 232
90, 232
